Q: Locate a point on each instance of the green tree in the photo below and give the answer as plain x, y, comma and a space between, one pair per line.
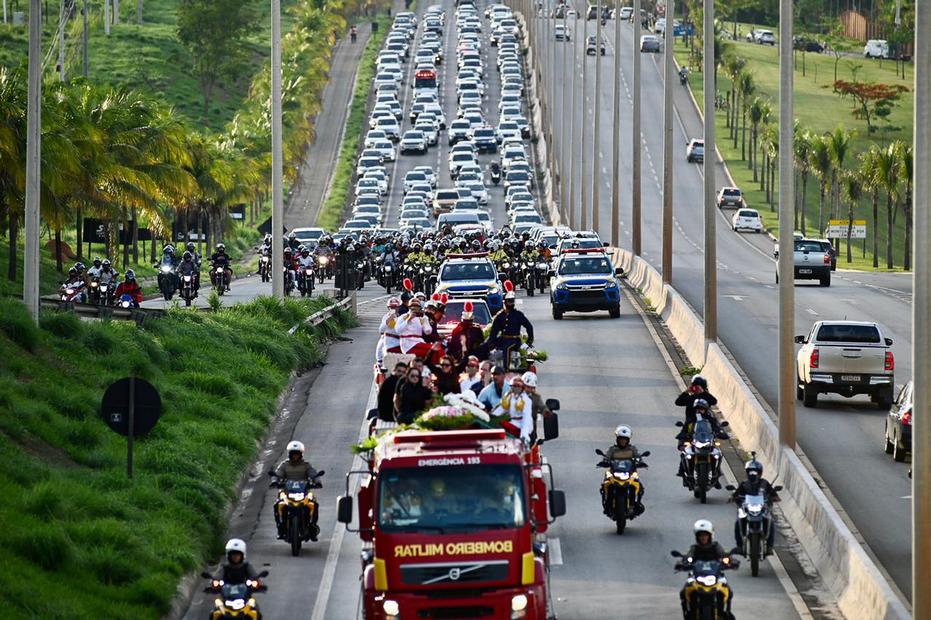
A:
821, 165
907, 170
852, 182
733, 66
747, 88
873, 184
213, 32
886, 171
838, 147
758, 112
803, 144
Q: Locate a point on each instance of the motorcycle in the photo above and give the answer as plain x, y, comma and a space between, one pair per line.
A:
188, 290
297, 509
324, 268
265, 261
126, 302
219, 278
361, 270
706, 589
427, 279
305, 281
542, 274
620, 488
684, 76
235, 600
386, 276
288, 281
701, 458
754, 520
167, 277
102, 292
70, 292
495, 173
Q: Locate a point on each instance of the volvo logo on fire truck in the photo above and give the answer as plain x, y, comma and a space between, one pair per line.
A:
476, 547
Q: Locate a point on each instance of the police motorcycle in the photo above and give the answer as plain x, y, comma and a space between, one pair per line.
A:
620, 488
387, 274
297, 508
701, 457
706, 588
235, 600
754, 522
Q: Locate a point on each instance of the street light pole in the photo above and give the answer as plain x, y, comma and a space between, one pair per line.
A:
596, 130
635, 240
570, 147
669, 73
921, 312
277, 158
583, 186
711, 250
564, 116
33, 155
616, 135
787, 378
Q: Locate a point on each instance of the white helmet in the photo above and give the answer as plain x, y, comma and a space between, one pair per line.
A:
623, 431
295, 446
703, 525
530, 379
236, 544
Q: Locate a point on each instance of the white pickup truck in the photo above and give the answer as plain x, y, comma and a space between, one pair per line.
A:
846, 358
810, 262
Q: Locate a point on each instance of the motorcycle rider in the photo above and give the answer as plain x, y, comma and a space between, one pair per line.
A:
94, 271
189, 267
290, 268
755, 484
543, 251
305, 260
296, 468
76, 282
697, 390
621, 450
107, 274
706, 549
506, 327
220, 258
293, 241
190, 247
236, 570
130, 287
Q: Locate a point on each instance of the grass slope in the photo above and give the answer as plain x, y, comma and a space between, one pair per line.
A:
80, 540
819, 109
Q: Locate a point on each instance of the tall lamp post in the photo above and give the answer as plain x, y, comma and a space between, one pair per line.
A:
669, 73
277, 157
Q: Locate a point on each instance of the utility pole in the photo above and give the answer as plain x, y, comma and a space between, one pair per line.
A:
564, 116
669, 73
85, 62
573, 161
635, 241
106, 17
596, 132
921, 313
583, 186
787, 378
116, 11
616, 135
277, 157
33, 160
139, 12
711, 158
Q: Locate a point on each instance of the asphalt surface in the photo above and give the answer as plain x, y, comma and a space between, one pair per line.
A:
842, 437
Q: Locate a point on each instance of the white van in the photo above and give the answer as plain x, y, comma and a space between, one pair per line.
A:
876, 48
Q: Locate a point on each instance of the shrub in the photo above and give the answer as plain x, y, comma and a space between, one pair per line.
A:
16, 323
44, 544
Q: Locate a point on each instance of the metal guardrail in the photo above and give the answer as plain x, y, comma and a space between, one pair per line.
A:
139, 315
346, 303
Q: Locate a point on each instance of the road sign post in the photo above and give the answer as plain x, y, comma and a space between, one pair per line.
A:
131, 407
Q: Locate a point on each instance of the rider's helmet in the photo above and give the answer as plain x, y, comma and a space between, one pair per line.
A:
623, 431
703, 525
97, 262
754, 468
418, 247
188, 257
169, 249
287, 251
268, 238
292, 236
541, 244
221, 247
295, 446
106, 263
236, 545
476, 245
700, 403
190, 247
305, 251
72, 273
130, 275
530, 379
428, 249
79, 266
700, 381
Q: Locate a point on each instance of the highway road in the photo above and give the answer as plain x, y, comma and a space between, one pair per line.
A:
604, 371
842, 437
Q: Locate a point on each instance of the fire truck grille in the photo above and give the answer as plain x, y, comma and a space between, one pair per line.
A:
453, 572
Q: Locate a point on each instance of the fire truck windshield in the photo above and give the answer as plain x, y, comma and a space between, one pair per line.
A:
455, 498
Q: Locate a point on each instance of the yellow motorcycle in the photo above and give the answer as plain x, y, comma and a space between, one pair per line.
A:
706, 591
235, 600
297, 510
621, 488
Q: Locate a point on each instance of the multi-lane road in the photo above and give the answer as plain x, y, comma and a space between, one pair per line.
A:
842, 437
605, 372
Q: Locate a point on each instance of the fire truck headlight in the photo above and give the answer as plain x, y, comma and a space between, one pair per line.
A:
518, 606
391, 608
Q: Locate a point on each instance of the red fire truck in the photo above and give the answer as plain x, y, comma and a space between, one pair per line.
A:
455, 526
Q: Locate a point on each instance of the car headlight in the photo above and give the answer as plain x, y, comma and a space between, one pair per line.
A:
561, 286
390, 607
493, 289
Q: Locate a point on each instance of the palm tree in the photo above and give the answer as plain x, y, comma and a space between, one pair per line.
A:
771, 159
871, 182
747, 88
852, 181
886, 171
821, 165
838, 147
803, 144
759, 110
733, 66
13, 156
907, 163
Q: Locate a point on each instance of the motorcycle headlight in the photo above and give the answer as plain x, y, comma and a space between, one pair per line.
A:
70, 291
297, 497
707, 580
165, 268
236, 604
264, 259
187, 278
103, 288
702, 444
309, 272
622, 475
754, 509
324, 260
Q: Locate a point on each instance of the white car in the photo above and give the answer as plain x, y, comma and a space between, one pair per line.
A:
429, 131
457, 161
429, 173
660, 26
412, 178
747, 219
386, 148
876, 48
373, 136
390, 126
414, 141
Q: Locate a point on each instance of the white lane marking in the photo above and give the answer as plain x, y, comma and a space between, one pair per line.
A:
339, 531
906, 497
811, 312
736, 297
787, 584
556, 552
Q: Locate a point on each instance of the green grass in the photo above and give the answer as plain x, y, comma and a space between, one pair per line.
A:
150, 58
819, 109
331, 215
74, 525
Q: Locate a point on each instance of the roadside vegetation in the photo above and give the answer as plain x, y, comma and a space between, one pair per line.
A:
331, 215
105, 546
847, 162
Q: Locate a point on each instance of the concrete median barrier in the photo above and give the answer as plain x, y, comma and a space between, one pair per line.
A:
847, 570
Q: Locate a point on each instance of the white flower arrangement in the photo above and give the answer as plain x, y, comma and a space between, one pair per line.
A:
468, 403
